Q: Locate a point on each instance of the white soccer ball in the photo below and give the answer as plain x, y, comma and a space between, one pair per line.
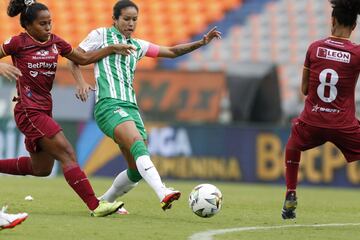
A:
205, 200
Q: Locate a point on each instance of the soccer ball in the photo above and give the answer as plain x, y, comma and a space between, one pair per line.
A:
205, 200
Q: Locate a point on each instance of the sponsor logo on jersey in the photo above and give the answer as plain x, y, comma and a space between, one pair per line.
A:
42, 53
28, 92
334, 55
34, 73
30, 46
49, 73
42, 65
317, 108
335, 43
7, 41
121, 112
54, 49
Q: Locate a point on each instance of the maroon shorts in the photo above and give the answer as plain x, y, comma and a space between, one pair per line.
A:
35, 124
304, 137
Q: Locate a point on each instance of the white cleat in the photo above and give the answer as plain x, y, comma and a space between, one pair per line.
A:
8, 220
170, 196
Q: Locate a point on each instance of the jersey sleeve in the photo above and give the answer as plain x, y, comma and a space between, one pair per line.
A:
11, 46
307, 58
93, 41
63, 47
148, 49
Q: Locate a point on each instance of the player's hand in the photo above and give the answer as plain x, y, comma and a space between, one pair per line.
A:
82, 91
124, 49
213, 33
9, 71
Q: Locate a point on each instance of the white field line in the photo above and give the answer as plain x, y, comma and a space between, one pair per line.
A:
208, 235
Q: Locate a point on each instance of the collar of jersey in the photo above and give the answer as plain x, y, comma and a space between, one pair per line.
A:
114, 29
342, 38
37, 40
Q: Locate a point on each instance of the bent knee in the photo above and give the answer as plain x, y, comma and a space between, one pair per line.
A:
42, 172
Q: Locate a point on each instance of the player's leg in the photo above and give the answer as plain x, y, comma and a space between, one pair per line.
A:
16, 166
348, 142
302, 137
122, 124
42, 163
60, 148
38, 164
128, 136
124, 181
292, 162
34, 125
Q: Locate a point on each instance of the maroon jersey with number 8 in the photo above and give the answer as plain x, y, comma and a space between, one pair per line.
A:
334, 66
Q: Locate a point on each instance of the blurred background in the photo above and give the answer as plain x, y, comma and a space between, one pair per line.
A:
221, 113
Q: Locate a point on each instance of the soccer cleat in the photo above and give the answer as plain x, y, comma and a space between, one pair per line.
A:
171, 195
105, 208
290, 204
8, 220
122, 211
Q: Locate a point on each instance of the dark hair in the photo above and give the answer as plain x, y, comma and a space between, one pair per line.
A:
345, 11
120, 5
28, 13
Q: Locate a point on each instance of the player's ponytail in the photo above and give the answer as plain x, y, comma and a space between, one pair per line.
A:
346, 11
15, 7
27, 9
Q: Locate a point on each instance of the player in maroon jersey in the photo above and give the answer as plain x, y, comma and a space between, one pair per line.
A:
330, 73
35, 52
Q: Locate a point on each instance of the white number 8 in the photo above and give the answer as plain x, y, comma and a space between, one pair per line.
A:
334, 78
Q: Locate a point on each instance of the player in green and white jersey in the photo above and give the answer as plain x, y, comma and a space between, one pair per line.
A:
116, 111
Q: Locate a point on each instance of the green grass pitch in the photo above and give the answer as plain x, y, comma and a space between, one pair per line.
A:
56, 213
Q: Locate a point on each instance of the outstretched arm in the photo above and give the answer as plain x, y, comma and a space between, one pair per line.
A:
181, 49
85, 58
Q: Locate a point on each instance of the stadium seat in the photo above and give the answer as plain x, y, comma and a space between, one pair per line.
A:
163, 23
277, 31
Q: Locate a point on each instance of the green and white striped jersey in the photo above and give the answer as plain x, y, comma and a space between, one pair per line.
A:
114, 74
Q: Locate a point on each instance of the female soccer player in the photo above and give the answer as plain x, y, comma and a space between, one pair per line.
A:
330, 74
116, 110
35, 52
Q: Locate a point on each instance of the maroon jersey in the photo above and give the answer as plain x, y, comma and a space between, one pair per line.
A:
37, 62
334, 66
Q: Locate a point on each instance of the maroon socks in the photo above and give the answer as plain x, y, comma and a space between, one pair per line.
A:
292, 162
16, 166
77, 179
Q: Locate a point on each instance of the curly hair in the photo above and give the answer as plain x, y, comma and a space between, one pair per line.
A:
345, 11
